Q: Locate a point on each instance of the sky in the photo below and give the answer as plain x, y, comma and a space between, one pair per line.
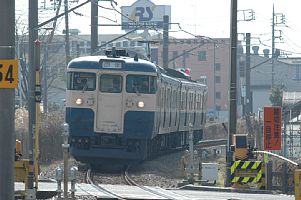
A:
198, 17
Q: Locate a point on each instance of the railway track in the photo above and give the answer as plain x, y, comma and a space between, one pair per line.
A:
155, 193
152, 177
127, 178
89, 180
131, 182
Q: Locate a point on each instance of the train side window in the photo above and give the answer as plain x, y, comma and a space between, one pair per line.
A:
81, 81
110, 83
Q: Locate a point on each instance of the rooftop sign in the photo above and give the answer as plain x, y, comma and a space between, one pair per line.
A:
143, 13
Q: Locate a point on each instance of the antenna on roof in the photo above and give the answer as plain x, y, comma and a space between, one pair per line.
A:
114, 54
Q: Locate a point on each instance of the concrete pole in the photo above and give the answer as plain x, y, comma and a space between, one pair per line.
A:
7, 102
33, 35
214, 78
273, 46
67, 42
232, 87
248, 73
94, 26
65, 146
165, 40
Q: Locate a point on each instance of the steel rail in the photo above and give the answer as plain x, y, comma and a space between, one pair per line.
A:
131, 182
89, 180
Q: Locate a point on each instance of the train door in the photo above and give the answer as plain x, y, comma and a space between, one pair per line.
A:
109, 118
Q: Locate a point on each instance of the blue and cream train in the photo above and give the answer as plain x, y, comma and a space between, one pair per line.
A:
127, 109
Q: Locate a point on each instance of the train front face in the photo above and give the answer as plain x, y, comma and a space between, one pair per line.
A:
110, 108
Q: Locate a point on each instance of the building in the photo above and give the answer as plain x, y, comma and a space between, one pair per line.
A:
282, 71
208, 61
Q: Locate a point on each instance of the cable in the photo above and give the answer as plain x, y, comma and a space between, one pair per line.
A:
291, 41
283, 50
113, 8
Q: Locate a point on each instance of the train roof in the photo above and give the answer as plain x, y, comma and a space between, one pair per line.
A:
130, 64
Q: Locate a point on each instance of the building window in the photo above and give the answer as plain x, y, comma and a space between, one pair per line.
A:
118, 44
125, 44
296, 73
217, 79
88, 43
202, 56
218, 108
218, 95
133, 43
82, 44
217, 66
74, 44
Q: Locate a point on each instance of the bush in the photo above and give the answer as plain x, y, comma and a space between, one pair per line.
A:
50, 129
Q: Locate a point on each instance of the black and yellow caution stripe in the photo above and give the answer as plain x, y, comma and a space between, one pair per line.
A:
255, 166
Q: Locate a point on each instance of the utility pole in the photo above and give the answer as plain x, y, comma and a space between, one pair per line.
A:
232, 87
7, 102
67, 43
248, 73
277, 19
165, 40
248, 104
33, 35
214, 78
94, 26
273, 45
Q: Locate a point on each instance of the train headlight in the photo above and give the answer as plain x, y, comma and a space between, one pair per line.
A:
140, 104
79, 101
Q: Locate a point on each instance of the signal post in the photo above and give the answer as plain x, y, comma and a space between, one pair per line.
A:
8, 81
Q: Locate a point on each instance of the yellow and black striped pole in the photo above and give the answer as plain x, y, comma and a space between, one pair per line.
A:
297, 179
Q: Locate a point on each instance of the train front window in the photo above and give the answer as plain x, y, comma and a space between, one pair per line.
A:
141, 84
110, 83
81, 81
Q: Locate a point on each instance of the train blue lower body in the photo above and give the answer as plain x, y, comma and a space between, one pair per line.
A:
139, 140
